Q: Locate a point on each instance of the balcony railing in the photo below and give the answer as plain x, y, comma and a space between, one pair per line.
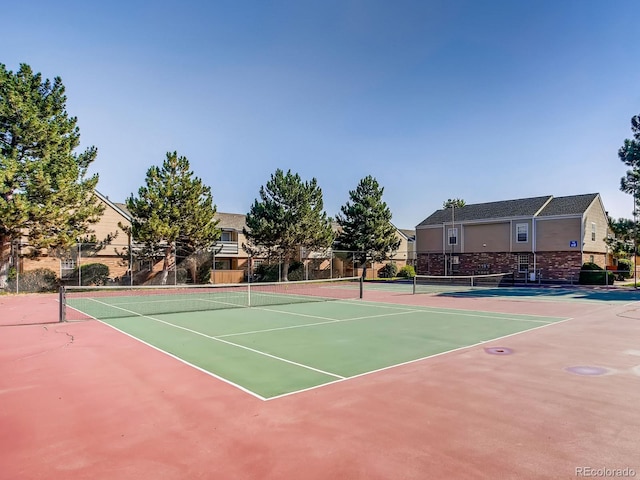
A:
228, 248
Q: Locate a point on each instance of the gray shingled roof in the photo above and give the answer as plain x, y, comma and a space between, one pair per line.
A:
231, 221
572, 205
520, 207
410, 234
123, 207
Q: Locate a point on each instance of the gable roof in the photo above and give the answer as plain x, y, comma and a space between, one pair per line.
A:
410, 234
547, 205
123, 207
521, 207
572, 205
118, 207
228, 221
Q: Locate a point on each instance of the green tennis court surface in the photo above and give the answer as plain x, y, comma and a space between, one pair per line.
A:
276, 350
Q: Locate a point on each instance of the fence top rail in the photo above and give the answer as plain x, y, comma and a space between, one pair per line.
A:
206, 285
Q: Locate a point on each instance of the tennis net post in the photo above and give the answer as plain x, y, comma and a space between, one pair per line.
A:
62, 304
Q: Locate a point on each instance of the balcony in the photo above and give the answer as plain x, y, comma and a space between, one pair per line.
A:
226, 248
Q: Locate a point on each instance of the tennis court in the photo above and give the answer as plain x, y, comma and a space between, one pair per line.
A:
504, 287
289, 341
318, 380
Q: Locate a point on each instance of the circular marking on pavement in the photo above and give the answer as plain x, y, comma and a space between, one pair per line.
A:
498, 351
587, 370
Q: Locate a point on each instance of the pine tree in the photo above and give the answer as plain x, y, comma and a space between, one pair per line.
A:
366, 224
288, 216
454, 203
173, 208
629, 154
45, 190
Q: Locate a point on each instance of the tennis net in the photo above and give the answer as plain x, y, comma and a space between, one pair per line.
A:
443, 283
81, 303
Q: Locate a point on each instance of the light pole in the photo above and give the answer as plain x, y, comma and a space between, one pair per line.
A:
635, 234
453, 231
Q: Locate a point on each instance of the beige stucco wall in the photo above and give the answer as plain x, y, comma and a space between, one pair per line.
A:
429, 240
595, 215
108, 225
487, 237
556, 234
402, 254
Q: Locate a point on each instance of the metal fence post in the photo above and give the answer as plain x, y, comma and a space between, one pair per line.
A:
62, 305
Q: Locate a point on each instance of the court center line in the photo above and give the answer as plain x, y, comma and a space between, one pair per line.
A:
469, 313
310, 324
195, 332
332, 320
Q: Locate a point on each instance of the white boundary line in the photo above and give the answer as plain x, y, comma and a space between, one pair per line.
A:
406, 308
312, 324
545, 299
404, 312
457, 311
416, 360
228, 382
165, 300
195, 332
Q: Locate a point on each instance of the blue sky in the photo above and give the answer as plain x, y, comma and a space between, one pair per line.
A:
480, 100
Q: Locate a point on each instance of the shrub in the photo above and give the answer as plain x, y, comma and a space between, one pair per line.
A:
182, 276
88, 274
94, 274
592, 274
272, 273
296, 271
388, 271
39, 280
267, 273
204, 273
624, 268
407, 272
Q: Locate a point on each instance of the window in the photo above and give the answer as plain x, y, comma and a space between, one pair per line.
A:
522, 232
67, 266
453, 236
224, 264
455, 264
227, 237
591, 259
523, 263
593, 232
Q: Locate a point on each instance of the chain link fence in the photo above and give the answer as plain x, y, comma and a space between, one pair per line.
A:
85, 264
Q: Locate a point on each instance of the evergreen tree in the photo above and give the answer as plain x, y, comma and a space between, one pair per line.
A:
288, 216
45, 190
366, 224
454, 202
629, 154
621, 241
174, 208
